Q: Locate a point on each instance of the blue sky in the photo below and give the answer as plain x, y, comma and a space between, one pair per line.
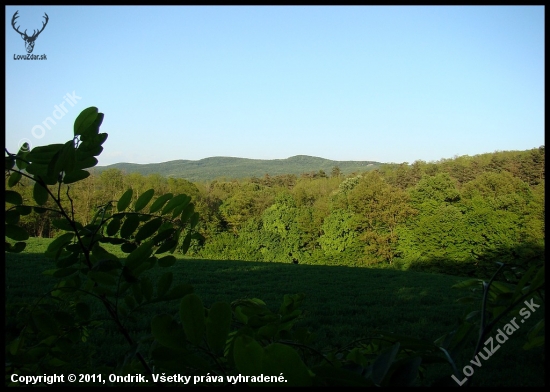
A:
388, 84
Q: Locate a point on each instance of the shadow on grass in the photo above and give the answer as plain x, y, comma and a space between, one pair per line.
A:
341, 304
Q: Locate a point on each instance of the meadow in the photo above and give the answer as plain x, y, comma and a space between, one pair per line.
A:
341, 304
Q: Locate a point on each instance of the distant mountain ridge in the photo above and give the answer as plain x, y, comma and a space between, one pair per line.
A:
208, 169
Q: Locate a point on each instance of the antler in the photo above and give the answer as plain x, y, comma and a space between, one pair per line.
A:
35, 34
43, 25
15, 16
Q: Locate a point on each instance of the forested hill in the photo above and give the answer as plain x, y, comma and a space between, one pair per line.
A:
458, 216
208, 169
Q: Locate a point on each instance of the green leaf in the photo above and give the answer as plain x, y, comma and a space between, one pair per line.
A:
142, 201
128, 247
62, 272
68, 261
500, 287
194, 220
9, 162
14, 179
167, 261
92, 132
138, 255
101, 253
174, 202
40, 194
186, 243
101, 137
112, 240
23, 210
12, 217
148, 229
291, 303
52, 165
166, 246
129, 226
192, 318
267, 331
383, 363
187, 212
56, 245
22, 155
178, 292
41, 174
167, 331
279, 358
146, 265
94, 139
164, 283
163, 234
87, 150
64, 224
85, 163
184, 203
17, 248
161, 200
218, 325
178, 210
113, 226
44, 154
16, 233
13, 197
75, 176
37, 170
198, 236
84, 120
125, 200
248, 356
67, 157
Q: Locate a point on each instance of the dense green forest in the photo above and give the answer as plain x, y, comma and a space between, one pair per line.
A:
455, 216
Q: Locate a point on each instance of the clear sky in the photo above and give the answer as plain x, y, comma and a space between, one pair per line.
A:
387, 84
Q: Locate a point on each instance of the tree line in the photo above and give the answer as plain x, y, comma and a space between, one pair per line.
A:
455, 215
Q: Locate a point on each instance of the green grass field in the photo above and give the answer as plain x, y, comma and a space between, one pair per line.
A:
342, 304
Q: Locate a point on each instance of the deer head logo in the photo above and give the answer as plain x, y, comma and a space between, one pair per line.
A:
29, 41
